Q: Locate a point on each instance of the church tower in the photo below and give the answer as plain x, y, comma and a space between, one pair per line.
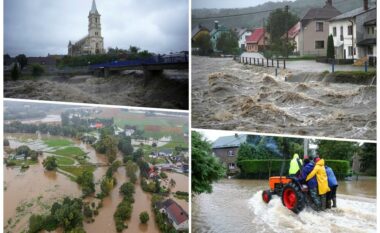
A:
94, 30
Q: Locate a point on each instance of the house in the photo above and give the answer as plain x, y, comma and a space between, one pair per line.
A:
294, 36
199, 31
242, 34
315, 30
257, 41
350, 30
216, 33
226, 149
177, 216
165, 152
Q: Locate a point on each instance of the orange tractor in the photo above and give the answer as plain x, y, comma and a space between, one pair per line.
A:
294, 195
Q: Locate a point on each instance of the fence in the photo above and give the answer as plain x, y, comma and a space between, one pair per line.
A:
263, 62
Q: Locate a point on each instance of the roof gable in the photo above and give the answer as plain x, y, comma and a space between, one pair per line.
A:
229, 141
256, 36
326, 12
352, 14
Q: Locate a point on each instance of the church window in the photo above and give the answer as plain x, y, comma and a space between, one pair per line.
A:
96, 20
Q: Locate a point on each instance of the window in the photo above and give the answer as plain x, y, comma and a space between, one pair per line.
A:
231, 153
319, 44
96, 20
341, 33
334, 31
371, 30
350, 51
231, 166
349, 30
319, 27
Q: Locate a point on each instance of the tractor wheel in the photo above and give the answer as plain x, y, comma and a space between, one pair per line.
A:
267, 196
293, 198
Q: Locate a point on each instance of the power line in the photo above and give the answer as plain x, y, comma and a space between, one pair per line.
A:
234, 15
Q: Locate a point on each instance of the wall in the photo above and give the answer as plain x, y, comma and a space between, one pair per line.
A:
308, 37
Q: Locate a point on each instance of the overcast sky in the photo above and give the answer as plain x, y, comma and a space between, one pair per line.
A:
39, 27
228, 3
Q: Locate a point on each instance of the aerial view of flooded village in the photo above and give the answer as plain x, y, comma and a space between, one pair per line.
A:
129, 53
73, 168
303, 67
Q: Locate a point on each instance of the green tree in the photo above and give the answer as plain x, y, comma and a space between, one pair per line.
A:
206, 169
50, 163
227, 43
203, 43
36, 223
107, 185
68, 214
138, 154
37, 70
134, 49
330, 47
144, 217
245, 152
367, 153
336, 149
86, 181
15, 72
22, 60
127, 189
277, 28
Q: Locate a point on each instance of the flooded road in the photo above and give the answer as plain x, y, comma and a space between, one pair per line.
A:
231, 96
167, 91
237, 206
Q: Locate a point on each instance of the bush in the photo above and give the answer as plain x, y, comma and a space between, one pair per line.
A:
163, 175
340, 167
15, 73
37, 70
144, 217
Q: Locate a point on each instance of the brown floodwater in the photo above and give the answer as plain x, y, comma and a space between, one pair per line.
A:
236, 206
37, 186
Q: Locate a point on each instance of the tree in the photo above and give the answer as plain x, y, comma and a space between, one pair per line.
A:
277, 29
367, 153
127, 189
125, 145
6, 142
68, 214
86, 181
138, 154
50, 163
330, 47
36, 223
336, 149
144, 217
22, 60
107, 185
206, 169
245, 152
134, 49
203, 43
227, 43
37, 70
15, 72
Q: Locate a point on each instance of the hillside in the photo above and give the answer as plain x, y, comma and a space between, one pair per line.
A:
299, 7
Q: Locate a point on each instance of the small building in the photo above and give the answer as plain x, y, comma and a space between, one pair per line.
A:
198, 32
226, 149
350, 30
315, 30
294, 36
216, 33
177, 216
165, 152
242, 34
257, 41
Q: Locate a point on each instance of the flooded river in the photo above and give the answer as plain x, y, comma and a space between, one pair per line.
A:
237, 206
231, 96
35, 190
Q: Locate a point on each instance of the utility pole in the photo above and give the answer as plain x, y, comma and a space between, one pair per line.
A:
305, 147
286, 28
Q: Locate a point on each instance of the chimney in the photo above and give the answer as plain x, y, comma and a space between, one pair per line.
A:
365, 5
216, 25
329, 3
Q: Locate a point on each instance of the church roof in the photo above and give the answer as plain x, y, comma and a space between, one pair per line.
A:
93, 8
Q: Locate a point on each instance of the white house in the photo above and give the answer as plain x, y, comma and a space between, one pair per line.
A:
241, 34
345, 28
176, 214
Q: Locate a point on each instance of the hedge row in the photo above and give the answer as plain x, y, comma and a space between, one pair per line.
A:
264, 168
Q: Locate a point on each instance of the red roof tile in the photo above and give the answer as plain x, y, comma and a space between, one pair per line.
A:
255, 37
177, 213
293, 32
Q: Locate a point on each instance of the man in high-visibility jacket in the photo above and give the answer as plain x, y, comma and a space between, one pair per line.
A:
295, 165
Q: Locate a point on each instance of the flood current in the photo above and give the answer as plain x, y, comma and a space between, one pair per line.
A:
237, 206
232, 96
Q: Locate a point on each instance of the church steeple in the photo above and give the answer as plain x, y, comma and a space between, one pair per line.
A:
93, 8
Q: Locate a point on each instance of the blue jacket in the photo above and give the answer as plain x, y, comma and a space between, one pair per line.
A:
331, 177
312, 183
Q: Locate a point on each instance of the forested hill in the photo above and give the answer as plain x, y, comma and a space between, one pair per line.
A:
299, 7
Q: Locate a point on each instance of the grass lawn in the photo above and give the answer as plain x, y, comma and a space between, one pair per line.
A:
69, 151
64, 160
57, 142
77, 171
16, 162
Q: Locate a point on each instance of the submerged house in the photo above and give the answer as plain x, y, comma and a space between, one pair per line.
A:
177, 216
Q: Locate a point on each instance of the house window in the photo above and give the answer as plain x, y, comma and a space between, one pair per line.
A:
334, 31
351, 51
341, 33
96, 20
349, 30
231, 166
231, 153
319, 44
319, 26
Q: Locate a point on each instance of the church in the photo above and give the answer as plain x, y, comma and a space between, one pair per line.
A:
93, 42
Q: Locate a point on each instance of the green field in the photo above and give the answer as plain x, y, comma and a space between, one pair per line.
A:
64, 160
18, 163
77, 171
57, 142
69, 151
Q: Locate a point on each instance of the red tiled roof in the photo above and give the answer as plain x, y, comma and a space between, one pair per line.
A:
98, 125
293, 32
177, 213
255, 37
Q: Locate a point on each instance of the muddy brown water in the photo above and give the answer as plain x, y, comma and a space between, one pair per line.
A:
37, 186
231, 96
236, 206
167, 91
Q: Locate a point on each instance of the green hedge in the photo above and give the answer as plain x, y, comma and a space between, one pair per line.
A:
264, 168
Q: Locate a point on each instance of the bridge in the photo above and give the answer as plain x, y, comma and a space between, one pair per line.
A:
151, 66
